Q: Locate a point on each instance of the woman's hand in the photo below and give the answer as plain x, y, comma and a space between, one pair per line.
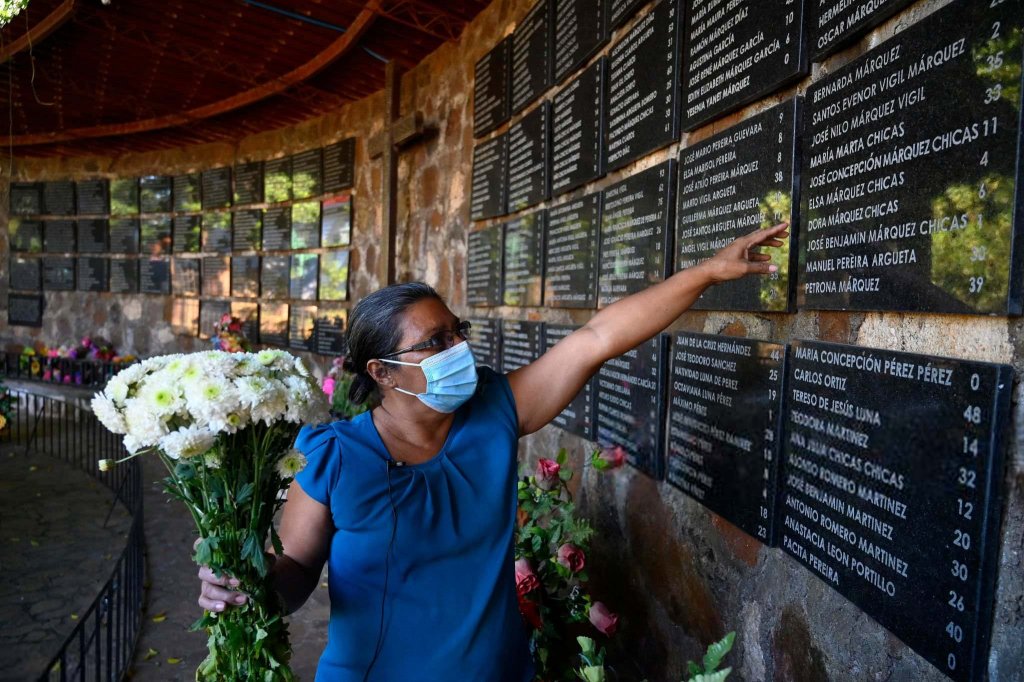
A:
216, 593
741, 257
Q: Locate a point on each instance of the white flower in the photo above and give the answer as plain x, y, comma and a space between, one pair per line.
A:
189, 441
108, 414
212, 460
292, 463
144, 426
117, 390
164, 398
106, 464
300, 367
131, 374
267, 357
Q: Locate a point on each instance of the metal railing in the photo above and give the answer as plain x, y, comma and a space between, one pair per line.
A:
67, 371
101, 645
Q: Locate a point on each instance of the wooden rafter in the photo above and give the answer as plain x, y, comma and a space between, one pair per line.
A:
345, 43
38, 33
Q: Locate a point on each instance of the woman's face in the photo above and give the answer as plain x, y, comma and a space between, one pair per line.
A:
421, 321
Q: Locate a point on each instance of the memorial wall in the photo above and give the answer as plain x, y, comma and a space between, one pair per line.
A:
828, 460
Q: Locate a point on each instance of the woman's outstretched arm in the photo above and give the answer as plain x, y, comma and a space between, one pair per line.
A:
543, 388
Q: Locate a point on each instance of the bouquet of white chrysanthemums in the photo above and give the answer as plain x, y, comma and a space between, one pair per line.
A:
224, 424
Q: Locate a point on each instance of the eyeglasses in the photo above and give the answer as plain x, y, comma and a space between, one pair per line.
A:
443, 339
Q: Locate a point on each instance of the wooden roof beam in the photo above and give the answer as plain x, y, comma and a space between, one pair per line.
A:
38, 33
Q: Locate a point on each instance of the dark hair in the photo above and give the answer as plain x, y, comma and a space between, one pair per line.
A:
373, 330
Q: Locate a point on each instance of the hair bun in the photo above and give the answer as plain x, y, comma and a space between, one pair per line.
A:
348, 365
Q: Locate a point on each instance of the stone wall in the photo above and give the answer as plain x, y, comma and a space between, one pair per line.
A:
680, 575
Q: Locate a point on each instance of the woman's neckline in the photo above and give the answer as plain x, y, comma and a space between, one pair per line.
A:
436, 457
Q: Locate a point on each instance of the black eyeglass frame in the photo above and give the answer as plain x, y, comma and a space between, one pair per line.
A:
461, 330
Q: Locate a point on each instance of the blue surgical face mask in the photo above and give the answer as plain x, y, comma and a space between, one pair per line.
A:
451, 378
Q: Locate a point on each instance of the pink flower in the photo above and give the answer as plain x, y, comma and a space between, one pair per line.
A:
614, 455
603, 619
526, 580
328, 386
547, 473
530, 611
572, 557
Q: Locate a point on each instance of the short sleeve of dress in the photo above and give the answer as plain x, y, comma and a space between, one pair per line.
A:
322, 449
495, 390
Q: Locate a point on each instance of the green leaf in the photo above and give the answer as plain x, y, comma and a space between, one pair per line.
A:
717, 651
204, 550
565, 474
712, 677
245, 493
693, 668
561, 457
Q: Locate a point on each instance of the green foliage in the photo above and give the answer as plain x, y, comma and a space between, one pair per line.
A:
708, 670
10, 9
593, 661
341, 406
232, 493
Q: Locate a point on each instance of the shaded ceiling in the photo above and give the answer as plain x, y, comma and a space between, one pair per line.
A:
139, 75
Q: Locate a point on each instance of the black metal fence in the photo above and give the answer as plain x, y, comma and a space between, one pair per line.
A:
101, 644
91, 373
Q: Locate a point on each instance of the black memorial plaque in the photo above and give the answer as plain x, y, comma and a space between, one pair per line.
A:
211, 313
618, 12
59, 236
630, 407
577, 122
124, 235
521, 343
330, 331
529, 144
307, 174
246, 228
93, 235
155, 276
579, 33
124, 276
491, 89
186, 278
909, 197
58, 274
340, 165
25, 235
334, 276
156, 234
26, 274
336, 221
188, 192
217, 188
93, 197
59, 197
490, 187
249, 315
725, 414
217, 276
485, 340
93, 274
124, 196
25, 311
305, 225
277, 228
248, 183
642, 97
524, 260
26, 198
185, 316
483, 266
274, 276
892, 477
737, 54
155, 192
277, 180
305, 274
731, 184
531, 56
188, 234
570, 253
217, 232
274, 324
636, 232
302, 327
578, 416
245, 276
836, 23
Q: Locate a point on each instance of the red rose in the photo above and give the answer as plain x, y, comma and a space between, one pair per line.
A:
547, 473
603, 619
530, 611
572, 557
526, 580
615, 456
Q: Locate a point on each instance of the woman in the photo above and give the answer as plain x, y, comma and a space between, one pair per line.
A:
413, 504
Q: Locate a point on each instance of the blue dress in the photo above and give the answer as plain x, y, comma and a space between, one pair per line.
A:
450, 611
